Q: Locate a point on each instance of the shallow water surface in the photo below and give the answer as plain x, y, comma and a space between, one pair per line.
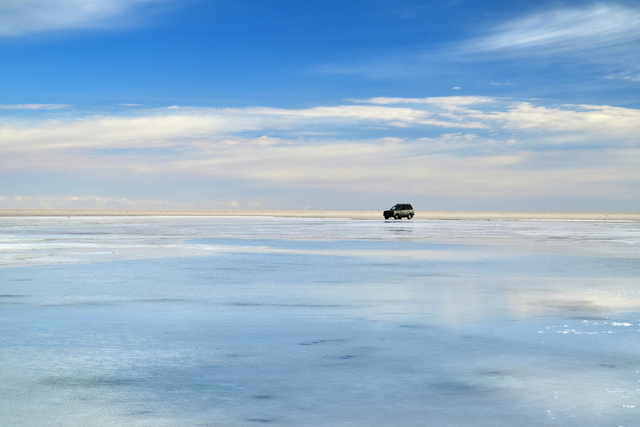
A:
281, 321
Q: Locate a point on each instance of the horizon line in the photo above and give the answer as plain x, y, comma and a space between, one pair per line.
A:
337, 214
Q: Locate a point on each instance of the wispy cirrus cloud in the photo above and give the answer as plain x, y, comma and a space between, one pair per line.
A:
34, 106
573, 31
600, 33
626, 76
20, 17
445, 101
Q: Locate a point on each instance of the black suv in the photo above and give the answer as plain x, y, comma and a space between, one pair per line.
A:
399, 210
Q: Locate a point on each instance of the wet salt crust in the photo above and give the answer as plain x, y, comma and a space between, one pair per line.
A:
298, 321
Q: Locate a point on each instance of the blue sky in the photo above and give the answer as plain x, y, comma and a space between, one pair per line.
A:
215, 104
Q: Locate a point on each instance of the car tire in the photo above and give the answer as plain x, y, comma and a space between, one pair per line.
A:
397, 216
409, 216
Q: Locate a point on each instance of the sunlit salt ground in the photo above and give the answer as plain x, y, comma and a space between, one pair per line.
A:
296, 322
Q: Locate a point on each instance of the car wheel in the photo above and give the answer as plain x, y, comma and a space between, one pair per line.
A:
397, 216
410, 216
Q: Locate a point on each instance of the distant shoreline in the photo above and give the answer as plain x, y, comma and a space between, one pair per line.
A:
420, 215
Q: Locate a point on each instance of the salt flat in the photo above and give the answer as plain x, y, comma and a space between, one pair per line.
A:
431, 215
242, 321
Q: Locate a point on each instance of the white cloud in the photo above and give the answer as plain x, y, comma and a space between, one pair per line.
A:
357, 112
34, 107
200, 127
443, 101
175, 125
372, 167
495, 113
598, 120
452, 140
630, 77
180, 126
521, 149
19, 17
391, 116
565, 31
